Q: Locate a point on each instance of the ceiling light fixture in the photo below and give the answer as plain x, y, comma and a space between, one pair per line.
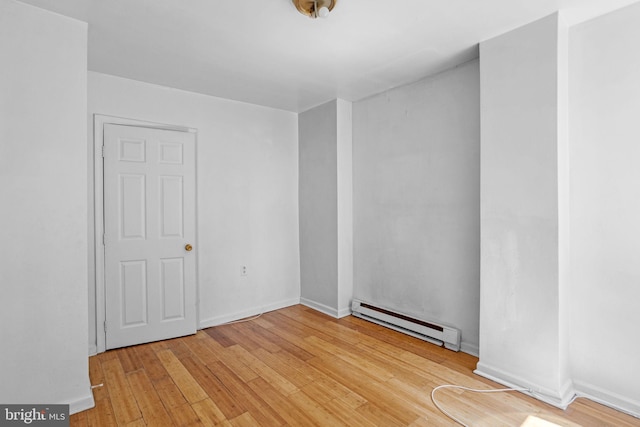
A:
315, 8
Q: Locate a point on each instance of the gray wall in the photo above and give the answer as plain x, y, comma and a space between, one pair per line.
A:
318, 183
416, 177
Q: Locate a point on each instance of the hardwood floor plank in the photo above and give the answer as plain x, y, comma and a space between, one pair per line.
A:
79, 420
181, 377
400, 341
208, 412
244, 420
120, 394
353, 400
150, 362
265, 372
214, 389
220, 337
400, 369
285, 345
137, 423
242, 392
129, 359
324, 390
310, 324
378, 416
297, 337
376, 371
101, 415
184, 415
425, 422
146, 396
287, 367
228, 358
169, 393
199, 347
107, 355
297, 367
261, 321
358, 380
591, 413
315, 411
178, 347
347, 414
240, 336
252, 332
283, 406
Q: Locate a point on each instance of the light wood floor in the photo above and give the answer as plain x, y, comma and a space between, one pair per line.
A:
298, 367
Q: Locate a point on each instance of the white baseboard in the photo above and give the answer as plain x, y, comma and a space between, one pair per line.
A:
558, 398
471, 349
81, 404
93, 349
344, 312
329, 311
253, 311
608, 398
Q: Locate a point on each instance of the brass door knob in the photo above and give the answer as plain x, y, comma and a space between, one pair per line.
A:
188, 247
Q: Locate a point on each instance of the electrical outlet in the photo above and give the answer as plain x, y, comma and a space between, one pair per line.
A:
243, 270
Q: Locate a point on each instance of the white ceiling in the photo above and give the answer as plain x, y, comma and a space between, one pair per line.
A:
266, 53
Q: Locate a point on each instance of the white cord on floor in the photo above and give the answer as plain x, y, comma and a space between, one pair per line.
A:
248, 319
435, 402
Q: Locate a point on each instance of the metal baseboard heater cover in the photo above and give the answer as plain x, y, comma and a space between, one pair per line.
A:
427, 331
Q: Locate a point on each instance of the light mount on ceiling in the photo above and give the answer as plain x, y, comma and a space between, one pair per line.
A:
315, 8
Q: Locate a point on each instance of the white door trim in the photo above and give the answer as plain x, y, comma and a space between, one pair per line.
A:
99, 120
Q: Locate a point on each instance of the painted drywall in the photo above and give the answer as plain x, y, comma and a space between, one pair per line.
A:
43, 188
416, 180
318, 150
326, 207
605, 154
522, 319
247, 175
344, 166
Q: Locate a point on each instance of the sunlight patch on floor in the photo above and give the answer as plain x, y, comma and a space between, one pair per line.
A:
532, 421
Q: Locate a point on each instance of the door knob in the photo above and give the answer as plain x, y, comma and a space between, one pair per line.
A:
188, 247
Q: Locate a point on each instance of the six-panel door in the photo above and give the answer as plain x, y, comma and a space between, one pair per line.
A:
150, 262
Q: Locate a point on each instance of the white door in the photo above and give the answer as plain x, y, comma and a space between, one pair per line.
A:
150, 220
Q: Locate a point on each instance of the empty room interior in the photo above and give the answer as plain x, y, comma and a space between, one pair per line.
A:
301, 212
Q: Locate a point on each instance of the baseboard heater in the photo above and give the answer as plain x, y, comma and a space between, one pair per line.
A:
427, 331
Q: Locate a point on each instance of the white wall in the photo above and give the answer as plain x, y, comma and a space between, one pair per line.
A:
416, 172
43, 238
344, 166
605, 207
247, 172
522, 316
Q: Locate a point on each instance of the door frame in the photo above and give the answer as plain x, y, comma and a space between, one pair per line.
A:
99, 120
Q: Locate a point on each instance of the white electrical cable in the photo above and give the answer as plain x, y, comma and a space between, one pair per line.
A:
435, 402
248, 319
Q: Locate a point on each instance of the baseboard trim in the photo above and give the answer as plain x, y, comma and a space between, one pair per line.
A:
81, 404
608, 398
559, 398
329, 311
254, 311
